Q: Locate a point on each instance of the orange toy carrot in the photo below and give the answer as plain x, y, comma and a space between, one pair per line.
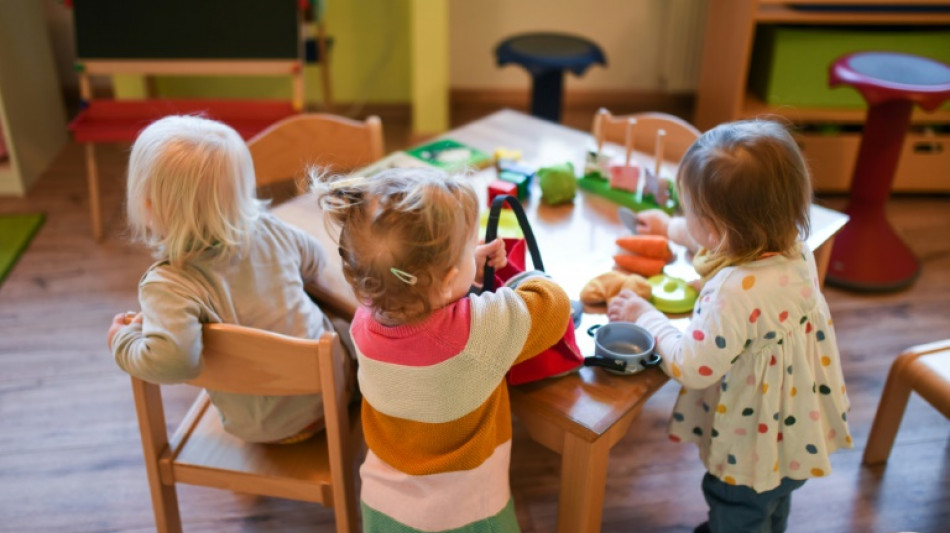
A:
638, 264
653, 246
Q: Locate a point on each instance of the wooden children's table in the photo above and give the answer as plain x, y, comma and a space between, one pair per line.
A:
580, 416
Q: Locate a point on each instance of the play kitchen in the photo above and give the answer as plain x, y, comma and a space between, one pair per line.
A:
622, 348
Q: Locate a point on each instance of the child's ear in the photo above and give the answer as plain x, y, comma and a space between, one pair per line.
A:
447, 282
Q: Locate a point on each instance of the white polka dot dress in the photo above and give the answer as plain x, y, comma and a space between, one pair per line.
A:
763, 394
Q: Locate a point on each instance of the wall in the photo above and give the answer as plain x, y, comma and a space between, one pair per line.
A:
651, 45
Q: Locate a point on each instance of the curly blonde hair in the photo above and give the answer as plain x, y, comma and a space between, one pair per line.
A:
748, 179
401, 232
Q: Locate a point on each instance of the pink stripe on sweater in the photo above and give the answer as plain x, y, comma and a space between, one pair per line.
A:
441, 336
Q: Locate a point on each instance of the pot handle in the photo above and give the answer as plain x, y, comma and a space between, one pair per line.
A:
592, 329
653, 360
613, 364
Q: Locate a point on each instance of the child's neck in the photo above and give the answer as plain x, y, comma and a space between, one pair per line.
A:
402, 319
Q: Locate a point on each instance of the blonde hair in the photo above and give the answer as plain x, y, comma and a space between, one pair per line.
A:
191, 189
749, 181
401, 232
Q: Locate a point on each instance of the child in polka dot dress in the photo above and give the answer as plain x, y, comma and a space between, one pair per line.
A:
763, 394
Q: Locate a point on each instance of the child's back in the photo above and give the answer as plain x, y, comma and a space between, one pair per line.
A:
436, 414
254, 276
779, 405
763, 393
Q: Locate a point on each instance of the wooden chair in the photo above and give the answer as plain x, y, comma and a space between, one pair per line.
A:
925, 369
285, 150
250, 361
679, 134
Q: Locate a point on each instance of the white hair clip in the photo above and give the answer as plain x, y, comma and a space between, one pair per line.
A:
346, 182
404, 276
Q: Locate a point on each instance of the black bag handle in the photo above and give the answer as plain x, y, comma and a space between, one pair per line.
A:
491, 232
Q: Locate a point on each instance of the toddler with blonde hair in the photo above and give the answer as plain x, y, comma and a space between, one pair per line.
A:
433, 356
763, 393
221, 257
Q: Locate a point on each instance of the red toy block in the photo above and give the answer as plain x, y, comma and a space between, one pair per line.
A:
498, 187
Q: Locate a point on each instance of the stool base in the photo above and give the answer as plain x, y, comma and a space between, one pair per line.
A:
869, 256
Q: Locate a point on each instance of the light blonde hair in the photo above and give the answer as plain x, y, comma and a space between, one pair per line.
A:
401, 232
191, 189
749, 181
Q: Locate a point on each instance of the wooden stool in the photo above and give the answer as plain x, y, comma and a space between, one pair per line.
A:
925, 369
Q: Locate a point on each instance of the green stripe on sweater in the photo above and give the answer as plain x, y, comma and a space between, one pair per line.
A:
503, 522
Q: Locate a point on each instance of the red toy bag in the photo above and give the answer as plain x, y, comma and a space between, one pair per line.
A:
564, 356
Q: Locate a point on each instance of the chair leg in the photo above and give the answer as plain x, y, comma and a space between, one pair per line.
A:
92, 175
890, 411
164, 504
151, 418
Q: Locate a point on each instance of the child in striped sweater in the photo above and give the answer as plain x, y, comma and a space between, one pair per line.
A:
432, 357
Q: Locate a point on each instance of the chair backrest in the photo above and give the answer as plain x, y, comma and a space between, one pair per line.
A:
252, 361
287, 148
245, 360
679, 133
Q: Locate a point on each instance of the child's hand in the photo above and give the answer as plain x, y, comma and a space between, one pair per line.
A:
493, 254
627, 306
652, 222
121, 320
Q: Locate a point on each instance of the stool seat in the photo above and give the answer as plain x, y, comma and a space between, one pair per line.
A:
868, 254
546, 56
883, 76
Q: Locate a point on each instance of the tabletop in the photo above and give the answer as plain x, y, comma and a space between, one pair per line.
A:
577, 243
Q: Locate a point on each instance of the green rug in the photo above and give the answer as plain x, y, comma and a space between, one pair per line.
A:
16, 232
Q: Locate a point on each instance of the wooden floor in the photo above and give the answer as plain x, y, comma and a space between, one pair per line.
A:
70, 458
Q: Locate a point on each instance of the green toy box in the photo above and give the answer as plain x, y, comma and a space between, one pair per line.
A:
790, 64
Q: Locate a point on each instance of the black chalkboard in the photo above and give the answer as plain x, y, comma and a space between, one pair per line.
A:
187, 29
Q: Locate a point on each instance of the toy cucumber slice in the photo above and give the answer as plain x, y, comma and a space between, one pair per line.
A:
672, 295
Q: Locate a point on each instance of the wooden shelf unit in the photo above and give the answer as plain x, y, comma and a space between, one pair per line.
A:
723, 93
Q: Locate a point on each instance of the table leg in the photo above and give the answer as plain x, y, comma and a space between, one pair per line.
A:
92, 175
583, 481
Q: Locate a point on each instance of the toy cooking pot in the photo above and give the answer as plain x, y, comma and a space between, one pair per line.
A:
622, 348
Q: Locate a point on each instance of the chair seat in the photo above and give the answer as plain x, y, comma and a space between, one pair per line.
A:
209, 449
929, 375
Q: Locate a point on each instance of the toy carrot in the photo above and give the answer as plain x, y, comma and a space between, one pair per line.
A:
638, 264
652, 246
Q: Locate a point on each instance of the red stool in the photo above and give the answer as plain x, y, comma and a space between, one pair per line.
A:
868, 254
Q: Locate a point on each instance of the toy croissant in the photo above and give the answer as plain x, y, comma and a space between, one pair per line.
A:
604, 287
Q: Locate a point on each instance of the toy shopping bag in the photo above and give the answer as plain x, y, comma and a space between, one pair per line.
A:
564, 356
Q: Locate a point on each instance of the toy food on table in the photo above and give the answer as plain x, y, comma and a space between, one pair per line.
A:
655, 246
647, 256
672, 295
604, 287
638, 264
558, 183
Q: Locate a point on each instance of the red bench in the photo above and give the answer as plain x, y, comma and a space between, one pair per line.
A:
110, 121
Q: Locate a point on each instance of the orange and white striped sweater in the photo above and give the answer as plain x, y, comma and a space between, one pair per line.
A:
436, 413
